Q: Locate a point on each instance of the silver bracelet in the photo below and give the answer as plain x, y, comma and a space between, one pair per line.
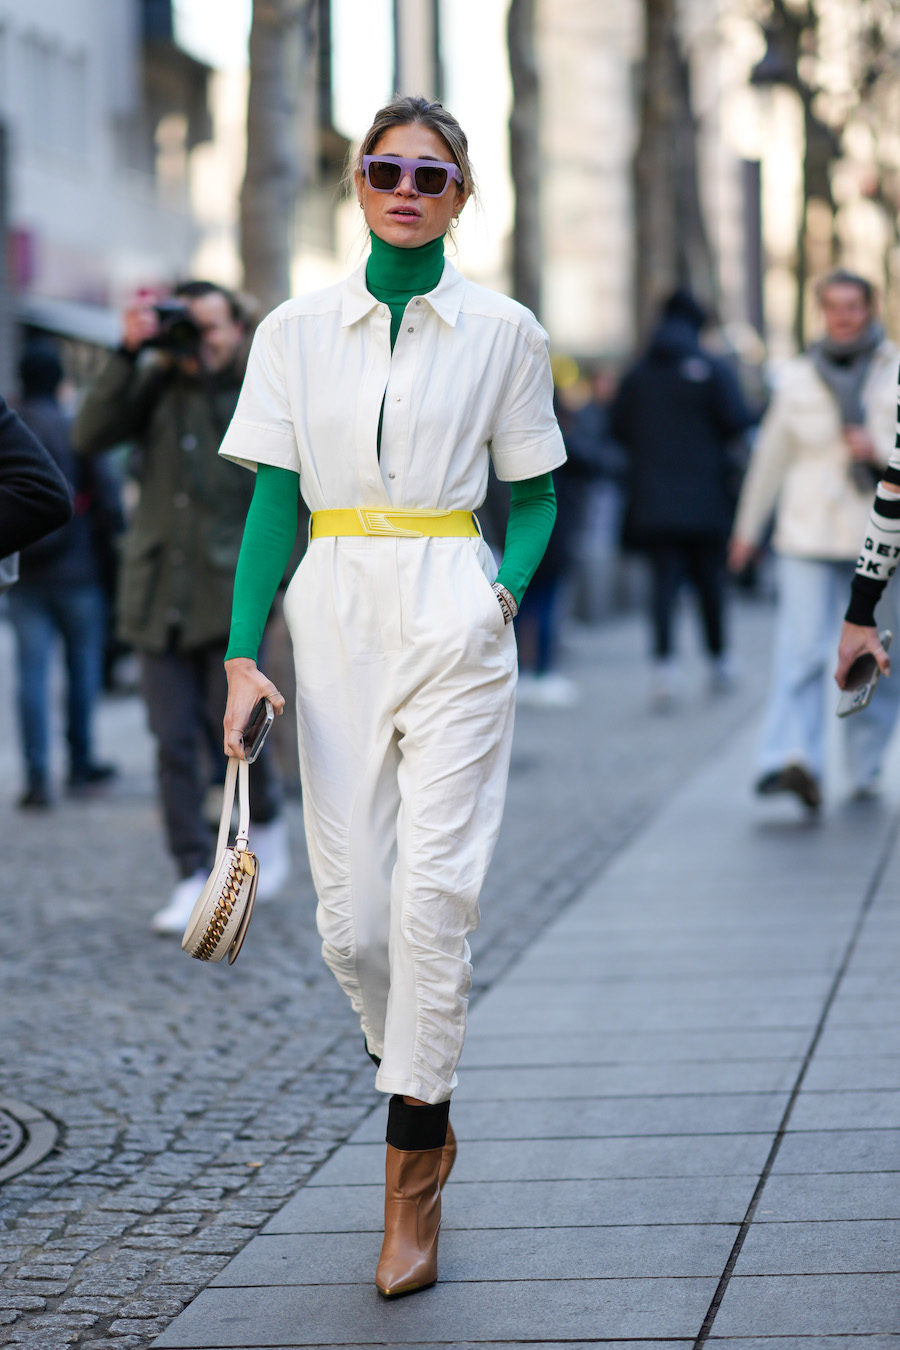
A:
506, 600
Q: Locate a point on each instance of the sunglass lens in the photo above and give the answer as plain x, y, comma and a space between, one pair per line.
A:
431, 181
383, 175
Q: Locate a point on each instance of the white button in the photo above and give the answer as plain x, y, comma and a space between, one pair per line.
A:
399, 398
189, 442
392, 475
182, 500
410, 330
418, 302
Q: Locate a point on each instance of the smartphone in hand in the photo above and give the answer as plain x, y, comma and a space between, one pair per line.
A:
257, 729
862, 678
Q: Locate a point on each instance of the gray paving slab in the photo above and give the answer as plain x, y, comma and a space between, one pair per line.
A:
493, 1254
834, 1247
865, 1341
626, 1080
841, 1042
690, 960
530, 1204
601, 1009
560, 1118
865, 1012
531, 1311
844, 1110
511, 1050
810, 1305
855, 1150
832, 1195
685, 1343
877, 1073
549, 1160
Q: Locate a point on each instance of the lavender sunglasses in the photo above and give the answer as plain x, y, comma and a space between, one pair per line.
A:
430, 176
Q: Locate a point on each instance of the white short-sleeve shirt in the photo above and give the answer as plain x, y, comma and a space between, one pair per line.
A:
469, 381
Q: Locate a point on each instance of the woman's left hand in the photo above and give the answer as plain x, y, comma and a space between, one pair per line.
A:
246, 686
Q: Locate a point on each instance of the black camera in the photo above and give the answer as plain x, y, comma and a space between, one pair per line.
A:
178, 334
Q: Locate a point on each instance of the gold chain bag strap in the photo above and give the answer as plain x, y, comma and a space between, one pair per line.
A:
220, 918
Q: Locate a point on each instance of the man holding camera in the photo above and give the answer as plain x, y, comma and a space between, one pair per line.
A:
171, 389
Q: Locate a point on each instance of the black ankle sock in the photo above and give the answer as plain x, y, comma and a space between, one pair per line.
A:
416, 1128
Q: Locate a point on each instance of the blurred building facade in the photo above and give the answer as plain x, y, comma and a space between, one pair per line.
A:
101, 112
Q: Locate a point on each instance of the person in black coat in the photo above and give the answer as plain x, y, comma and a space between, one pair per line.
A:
34, 495
677, 413
62, 593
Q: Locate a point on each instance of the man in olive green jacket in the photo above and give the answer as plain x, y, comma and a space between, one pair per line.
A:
180, 553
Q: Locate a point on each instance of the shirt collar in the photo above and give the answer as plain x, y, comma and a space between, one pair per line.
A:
446, 298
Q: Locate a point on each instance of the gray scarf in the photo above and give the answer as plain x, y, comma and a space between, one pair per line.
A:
843, 367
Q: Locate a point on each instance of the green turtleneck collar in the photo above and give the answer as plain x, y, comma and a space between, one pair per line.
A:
393, 272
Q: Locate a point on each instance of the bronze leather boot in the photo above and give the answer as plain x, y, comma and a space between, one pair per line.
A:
412, 1220
448, 1156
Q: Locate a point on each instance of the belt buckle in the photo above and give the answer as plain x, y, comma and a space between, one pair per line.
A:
376, 522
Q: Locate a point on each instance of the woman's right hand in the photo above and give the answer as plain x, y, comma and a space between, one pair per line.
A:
246, 686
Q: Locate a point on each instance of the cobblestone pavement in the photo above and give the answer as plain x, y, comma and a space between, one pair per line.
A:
192, 1100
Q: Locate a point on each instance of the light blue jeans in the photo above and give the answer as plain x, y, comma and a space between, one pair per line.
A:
812, 598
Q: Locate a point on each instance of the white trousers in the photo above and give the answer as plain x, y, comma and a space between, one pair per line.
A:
405, 694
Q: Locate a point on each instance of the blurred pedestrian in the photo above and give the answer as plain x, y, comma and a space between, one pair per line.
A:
384, 398
601, 466
171, 388
34, 496
677, 413
539, 621
61, 594
824, 441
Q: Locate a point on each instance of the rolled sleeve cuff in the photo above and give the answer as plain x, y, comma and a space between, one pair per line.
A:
515, 462
250, 444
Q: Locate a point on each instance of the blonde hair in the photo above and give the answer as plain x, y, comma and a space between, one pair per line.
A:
403, 111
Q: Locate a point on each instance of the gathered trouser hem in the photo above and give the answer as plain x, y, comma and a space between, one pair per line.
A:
429, 1092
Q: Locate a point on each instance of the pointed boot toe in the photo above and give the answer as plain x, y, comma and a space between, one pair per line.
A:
412, 1221
448, 1156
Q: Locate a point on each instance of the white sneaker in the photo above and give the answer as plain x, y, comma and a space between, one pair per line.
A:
173, 919
723, 677
665, 686
526, 688
555, 691
270, 844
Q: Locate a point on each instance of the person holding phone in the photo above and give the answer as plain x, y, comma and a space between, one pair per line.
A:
388, 396
823, 444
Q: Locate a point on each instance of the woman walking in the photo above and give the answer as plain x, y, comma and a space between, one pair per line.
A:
388, 395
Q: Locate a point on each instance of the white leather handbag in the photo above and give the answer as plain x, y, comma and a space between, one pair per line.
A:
220, 918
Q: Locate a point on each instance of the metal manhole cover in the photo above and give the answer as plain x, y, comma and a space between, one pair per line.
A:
26, 1136
12, 1137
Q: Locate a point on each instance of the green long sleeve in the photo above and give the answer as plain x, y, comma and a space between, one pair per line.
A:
532, 513
269, 535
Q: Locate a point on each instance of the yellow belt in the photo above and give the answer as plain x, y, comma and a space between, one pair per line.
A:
394, 522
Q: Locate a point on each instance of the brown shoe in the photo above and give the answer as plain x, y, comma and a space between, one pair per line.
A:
412, 1221
448, 1156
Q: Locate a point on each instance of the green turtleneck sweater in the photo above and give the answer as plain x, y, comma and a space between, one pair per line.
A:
394, 276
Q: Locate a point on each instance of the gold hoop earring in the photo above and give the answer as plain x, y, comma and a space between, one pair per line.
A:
454, 222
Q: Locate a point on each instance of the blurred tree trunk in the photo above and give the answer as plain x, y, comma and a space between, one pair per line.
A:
672, 244
282, 53
524, 154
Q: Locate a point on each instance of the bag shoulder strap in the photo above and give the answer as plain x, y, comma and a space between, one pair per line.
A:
237, 775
